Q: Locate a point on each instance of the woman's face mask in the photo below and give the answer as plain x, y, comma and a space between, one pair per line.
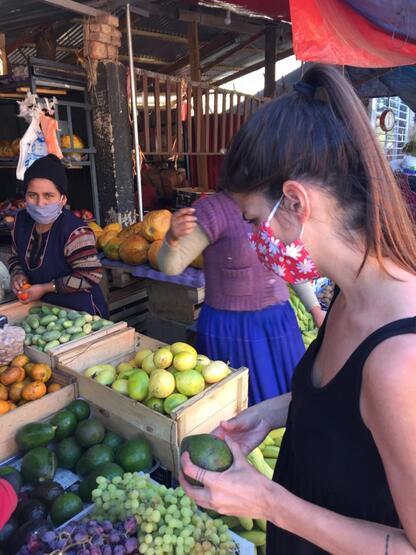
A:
44, 202
45, 214
292, 262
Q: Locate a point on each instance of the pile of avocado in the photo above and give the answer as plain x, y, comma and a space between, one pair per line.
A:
80, 444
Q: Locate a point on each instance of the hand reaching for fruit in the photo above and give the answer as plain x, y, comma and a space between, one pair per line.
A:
183, 223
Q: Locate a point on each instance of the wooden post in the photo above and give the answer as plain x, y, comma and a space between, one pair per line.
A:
270, 57
195, 66
3, 55
46, 44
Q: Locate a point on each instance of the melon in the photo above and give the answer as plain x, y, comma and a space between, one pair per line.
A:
156, 224
133, 250
153, 252
111, 248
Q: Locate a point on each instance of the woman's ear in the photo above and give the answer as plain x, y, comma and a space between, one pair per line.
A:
64, 200
296, 199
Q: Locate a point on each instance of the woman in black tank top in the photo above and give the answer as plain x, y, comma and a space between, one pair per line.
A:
322, 197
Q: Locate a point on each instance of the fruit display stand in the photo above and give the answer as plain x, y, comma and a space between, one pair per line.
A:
17, 311
200, 414
40, 409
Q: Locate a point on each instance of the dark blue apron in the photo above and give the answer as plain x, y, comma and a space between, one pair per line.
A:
53, 264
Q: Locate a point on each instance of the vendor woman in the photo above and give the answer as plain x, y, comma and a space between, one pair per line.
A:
53, 250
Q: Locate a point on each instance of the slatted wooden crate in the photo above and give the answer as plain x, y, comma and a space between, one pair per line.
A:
129, 304
17, 311
200, 414
175, 302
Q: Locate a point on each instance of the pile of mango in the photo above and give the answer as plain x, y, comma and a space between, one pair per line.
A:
304, 318
22, 381
264, 459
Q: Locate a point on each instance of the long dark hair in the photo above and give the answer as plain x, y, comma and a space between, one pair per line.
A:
322, 133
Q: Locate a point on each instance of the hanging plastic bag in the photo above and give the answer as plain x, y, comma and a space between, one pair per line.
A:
32, 147
49, 127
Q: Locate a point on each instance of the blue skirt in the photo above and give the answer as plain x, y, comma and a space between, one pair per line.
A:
268, 342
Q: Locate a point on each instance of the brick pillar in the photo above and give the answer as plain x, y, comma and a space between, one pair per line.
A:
110, 118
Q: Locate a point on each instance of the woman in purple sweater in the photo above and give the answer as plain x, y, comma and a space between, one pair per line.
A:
246, 318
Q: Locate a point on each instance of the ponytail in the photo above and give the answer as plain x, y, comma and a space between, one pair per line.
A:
321, 132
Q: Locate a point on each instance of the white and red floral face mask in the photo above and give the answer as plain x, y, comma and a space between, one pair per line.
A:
292, 262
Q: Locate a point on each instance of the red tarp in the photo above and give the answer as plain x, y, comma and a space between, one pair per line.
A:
331, 32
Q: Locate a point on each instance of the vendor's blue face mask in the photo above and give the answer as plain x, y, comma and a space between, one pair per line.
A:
46, 214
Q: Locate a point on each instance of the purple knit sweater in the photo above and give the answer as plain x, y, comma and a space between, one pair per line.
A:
234, 278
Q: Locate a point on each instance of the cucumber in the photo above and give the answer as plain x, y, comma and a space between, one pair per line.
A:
40, 349
87, 317
28, 339
51, 326
87, 328
35, 310
106, 323
26, 327
55, 310
60, 322
65, 337
51, 345
33, 321
45, 320
63, 314
67, 324
41, 342
96, 318
74, 329
79, 321
46, 310
40, 330
78, 335
51, 335
35, 339
72, 314
97, 325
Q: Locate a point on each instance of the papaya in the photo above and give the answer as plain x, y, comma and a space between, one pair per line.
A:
116, 227
133, 250
104, 238
153, 252
4, 393
20, 360
38, 465
34, 434
111, 249
12, 374
4, 407
156, 224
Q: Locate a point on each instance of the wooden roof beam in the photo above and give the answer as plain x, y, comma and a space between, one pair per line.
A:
232, 51
206, 50
253, 67
72, 6
208, 20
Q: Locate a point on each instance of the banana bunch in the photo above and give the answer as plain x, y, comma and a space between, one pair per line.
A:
304, 318
263, 458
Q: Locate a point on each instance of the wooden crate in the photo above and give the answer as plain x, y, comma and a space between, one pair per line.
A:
35, 410
129, 304
175, 302
200, 414
17, 311
169, 331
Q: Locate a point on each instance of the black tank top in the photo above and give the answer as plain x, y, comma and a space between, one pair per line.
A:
328, 456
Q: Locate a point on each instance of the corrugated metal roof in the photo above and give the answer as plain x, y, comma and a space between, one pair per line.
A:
68, 28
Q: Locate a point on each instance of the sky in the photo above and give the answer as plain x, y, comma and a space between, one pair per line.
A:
254, 82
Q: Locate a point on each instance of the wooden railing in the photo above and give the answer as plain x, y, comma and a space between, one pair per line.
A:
178, 116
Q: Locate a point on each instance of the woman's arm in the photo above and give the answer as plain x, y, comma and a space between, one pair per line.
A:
81, 254
307, 295
173, 260
388, 409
